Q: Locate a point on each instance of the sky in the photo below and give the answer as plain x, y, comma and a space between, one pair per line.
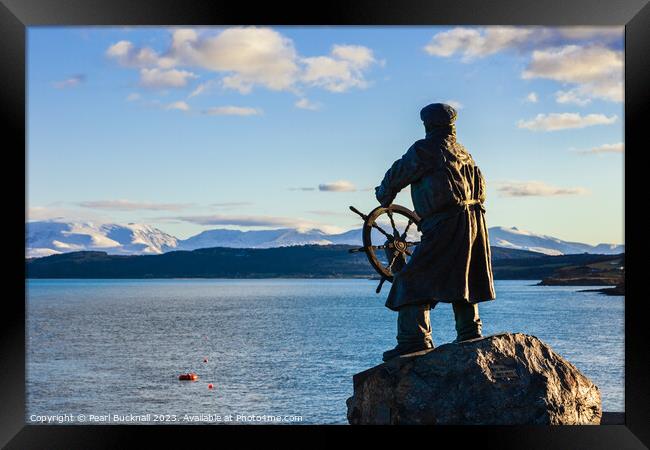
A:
188, 129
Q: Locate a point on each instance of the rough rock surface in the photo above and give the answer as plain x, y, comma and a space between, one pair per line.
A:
505, 379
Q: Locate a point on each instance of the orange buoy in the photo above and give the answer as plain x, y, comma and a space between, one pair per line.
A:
188, 376
210, 386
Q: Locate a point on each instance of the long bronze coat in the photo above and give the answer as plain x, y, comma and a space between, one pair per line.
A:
452, 262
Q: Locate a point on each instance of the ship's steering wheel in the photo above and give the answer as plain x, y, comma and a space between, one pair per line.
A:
398, 245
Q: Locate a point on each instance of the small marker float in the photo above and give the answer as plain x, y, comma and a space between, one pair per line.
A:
210, 386
188, 377
205, 359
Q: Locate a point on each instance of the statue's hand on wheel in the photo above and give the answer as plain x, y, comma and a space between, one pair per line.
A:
384, 198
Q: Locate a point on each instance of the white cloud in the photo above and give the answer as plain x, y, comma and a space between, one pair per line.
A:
244, 221
128, 205
341, 71
574, 63
159, 78
126, 54
232, 111
305, 103
247, 57
357, 55
563, 121
200, 89
571, 97
180, 105
231, 204
73, 81
259, 221
203, 88
531, 97
251, 56
119, 50
597, 71
133, 97
471, 43
337, 186
535, 189
575, 55
605, 148
479, 42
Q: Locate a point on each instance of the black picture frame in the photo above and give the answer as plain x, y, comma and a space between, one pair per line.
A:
16, 15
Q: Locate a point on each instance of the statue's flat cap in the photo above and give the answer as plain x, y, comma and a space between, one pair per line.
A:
438, 114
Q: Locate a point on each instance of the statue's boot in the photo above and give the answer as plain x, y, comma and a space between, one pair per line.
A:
468, 322
413, 331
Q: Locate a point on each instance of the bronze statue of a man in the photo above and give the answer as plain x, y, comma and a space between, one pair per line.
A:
452, 263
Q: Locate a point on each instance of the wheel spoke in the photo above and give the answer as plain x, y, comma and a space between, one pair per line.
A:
406, 230
408, 252
411, 244
381, 283
378, 247
355, 210
390, 266
392, 223
388, 236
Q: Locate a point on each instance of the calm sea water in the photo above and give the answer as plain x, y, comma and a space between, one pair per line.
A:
277, 350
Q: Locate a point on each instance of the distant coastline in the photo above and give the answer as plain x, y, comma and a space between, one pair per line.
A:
596, 273
305, 261
616, 290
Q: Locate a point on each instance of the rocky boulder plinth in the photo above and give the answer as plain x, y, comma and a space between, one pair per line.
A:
505, 379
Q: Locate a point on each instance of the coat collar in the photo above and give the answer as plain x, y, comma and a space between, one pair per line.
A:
441, 132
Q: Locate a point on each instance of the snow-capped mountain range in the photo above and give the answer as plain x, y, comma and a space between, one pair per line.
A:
49, 237
525, 240
46, 238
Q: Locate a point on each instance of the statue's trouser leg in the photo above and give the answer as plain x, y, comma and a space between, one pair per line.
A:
468, 322
414, 326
